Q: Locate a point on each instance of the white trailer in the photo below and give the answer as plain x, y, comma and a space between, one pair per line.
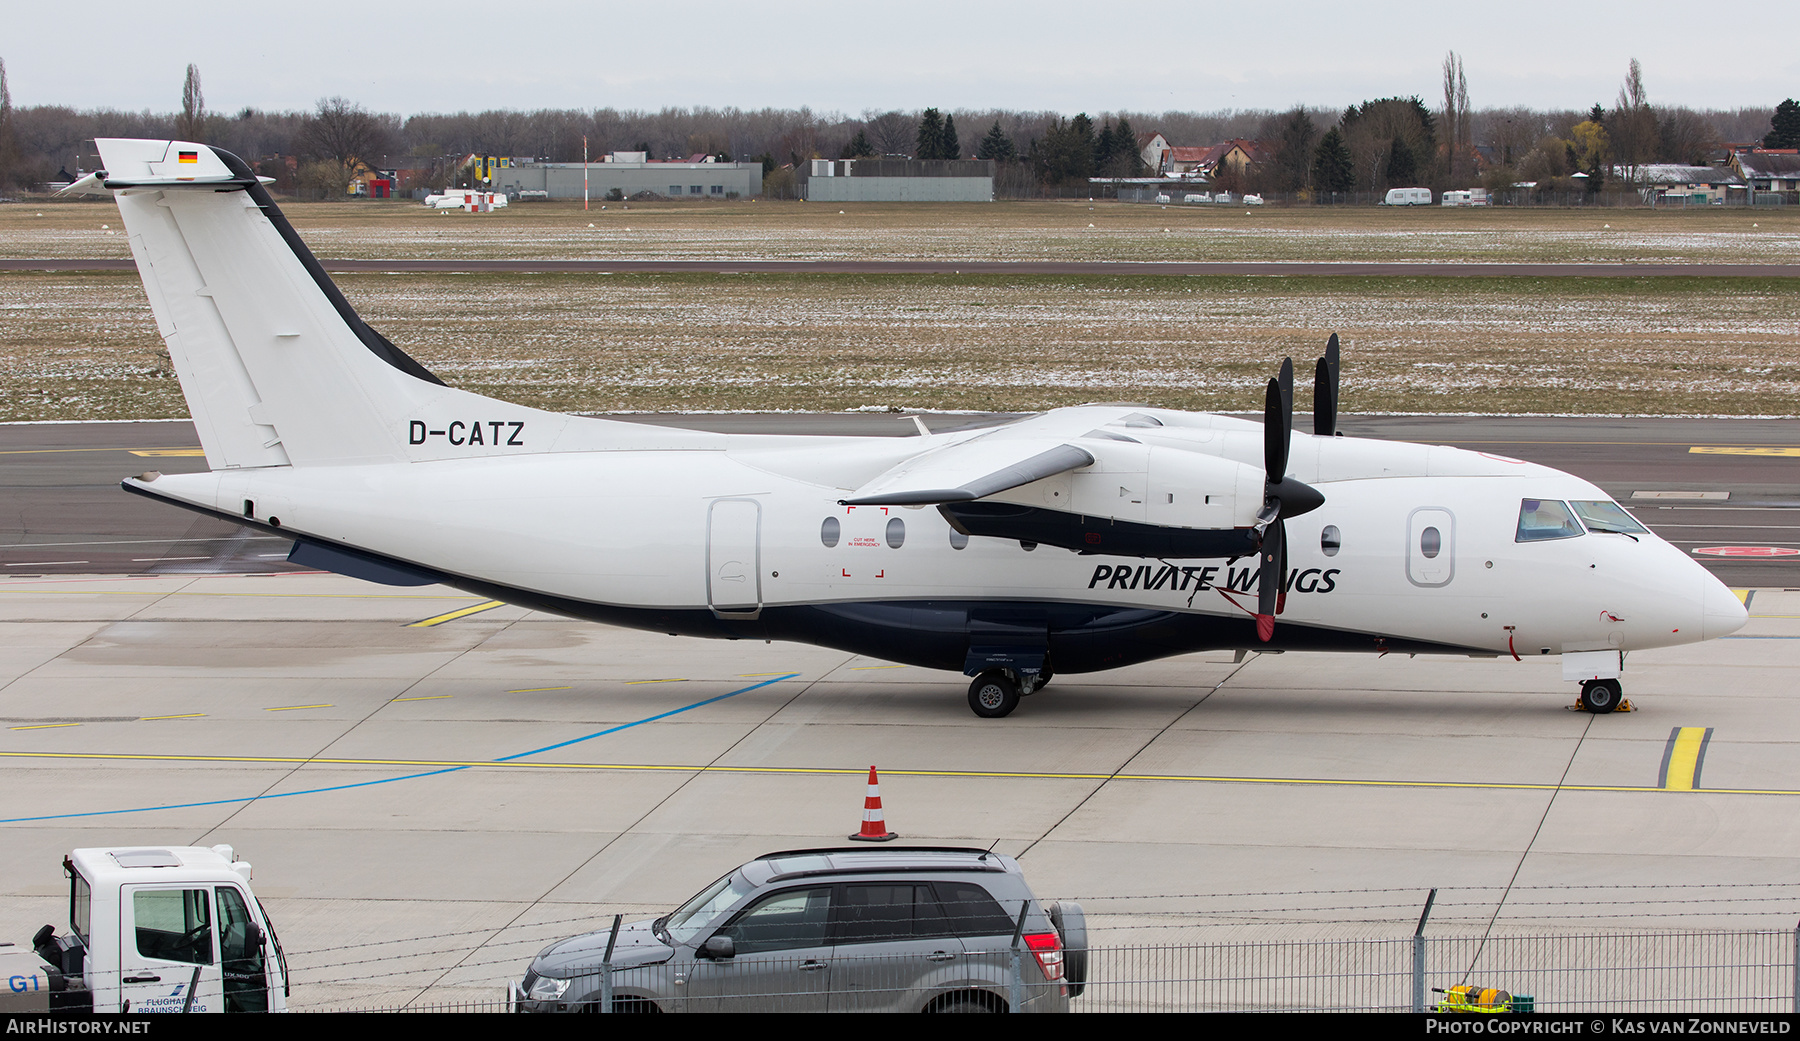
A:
1407, 197
154, 929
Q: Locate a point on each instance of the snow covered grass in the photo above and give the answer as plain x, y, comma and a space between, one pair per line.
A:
84, 347
973, 231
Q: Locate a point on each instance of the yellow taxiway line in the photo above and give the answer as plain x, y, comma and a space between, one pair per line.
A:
451, 616
860, 771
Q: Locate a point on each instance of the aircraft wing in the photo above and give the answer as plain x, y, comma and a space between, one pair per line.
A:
970, 470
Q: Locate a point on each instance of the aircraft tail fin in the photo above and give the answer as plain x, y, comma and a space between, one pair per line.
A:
277, 367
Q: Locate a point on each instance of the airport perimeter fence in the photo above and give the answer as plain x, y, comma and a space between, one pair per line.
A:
1739, 971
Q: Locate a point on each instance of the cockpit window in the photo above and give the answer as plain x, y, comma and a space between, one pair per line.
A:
1606, 515
1543, 519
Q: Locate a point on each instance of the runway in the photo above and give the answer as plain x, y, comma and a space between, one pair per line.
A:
433, 787
1134, 269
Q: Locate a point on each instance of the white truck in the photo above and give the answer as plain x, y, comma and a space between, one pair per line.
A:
152, 929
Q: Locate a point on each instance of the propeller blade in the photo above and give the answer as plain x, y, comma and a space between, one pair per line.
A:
1325, 390
1273, 558
1324, 401
1276, 430
1281, 584
1287, 392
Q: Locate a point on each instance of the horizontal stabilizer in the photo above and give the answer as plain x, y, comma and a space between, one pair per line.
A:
970, 470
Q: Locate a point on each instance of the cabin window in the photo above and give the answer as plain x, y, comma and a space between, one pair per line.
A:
830, 531
1543, 519
174, 924
896, 533
958, 540
1606, 515
1330, 540
1431, 543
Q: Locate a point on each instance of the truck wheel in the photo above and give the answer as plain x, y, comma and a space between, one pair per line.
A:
1601, 696
993, 694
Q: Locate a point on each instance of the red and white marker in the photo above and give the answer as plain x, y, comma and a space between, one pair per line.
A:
1747, 551
874, 828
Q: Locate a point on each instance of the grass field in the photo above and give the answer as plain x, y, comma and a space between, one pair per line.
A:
83, 346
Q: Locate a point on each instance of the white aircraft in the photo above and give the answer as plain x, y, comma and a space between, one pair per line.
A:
1076, 540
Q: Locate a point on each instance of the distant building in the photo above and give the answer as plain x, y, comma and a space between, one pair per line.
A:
1153, 148
1679, 184
630, 174
1236, 155
898, 180
1768, 169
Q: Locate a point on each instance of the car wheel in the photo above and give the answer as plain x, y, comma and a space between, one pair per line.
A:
964, 1003
993, 694
1601, 696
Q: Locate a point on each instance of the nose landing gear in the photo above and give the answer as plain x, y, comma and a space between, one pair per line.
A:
1602, 696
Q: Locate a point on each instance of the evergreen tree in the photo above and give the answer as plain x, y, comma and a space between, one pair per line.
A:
1402, 165
931, 135
1127, 162
1333, 170
858, 148
1784, 129
996, 146
949, 146
1067, 151
1105, 147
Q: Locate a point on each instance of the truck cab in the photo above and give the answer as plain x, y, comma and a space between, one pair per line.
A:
163, 929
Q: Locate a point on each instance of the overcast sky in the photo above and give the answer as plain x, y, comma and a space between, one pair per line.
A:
848, 57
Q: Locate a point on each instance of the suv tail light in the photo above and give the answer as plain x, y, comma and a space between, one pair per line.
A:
1047, 948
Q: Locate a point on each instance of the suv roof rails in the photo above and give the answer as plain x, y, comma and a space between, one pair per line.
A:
888, 851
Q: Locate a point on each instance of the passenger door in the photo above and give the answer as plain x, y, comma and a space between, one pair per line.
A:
167, 949
782, 963
733, 561
891, 948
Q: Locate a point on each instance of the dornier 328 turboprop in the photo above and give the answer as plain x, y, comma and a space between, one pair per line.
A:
1074, 540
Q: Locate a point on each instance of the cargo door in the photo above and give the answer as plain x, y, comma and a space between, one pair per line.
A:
1430, 547
733, 561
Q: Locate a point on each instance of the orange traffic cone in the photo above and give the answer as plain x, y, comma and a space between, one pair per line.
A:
874, 828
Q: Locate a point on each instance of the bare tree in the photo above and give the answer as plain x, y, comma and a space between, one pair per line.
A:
9, 143
1632, 125
341, 131
891, 133
190, 125
1459, 129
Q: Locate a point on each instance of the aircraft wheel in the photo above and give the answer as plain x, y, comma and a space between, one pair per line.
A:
993, 694
1601, 696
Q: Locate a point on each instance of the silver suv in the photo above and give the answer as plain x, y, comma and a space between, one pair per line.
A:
839, 930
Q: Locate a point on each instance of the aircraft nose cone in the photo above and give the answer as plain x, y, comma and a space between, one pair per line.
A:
1722, 613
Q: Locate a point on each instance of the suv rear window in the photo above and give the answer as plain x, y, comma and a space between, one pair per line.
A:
972, 911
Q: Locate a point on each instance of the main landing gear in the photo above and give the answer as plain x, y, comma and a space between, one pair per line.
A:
996, 692
1601, 696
